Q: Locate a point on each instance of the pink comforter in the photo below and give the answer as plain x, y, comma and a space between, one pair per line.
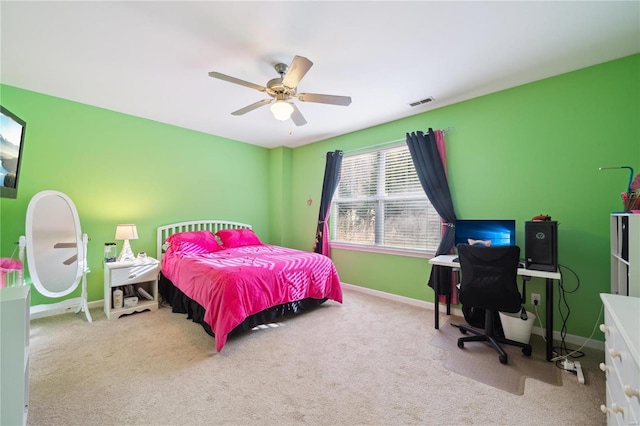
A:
235, 283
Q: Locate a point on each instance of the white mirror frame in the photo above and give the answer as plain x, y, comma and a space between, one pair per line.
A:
56, 250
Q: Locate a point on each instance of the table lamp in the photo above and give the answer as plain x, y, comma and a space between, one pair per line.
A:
126, 232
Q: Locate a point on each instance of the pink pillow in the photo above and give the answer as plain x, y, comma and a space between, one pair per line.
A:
238, 238
196, 242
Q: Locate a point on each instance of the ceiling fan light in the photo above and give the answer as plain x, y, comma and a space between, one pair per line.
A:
282, 110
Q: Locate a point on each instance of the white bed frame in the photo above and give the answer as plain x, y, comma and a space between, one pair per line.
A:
197, 225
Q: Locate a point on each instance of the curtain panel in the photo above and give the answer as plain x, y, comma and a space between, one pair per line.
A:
330, 183
429, 158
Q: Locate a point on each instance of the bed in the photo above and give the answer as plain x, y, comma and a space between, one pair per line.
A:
223, 277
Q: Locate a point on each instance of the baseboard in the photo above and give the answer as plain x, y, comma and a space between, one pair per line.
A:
569, 338
58, 308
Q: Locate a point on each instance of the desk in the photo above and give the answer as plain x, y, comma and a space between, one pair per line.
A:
447, 260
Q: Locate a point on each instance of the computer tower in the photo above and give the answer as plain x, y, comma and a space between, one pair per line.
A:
541, 245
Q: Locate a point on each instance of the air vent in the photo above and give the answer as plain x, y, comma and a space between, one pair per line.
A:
423, 101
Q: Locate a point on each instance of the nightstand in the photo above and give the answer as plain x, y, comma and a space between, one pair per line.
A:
139, 275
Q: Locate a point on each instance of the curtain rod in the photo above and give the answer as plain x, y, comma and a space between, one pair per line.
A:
378, 145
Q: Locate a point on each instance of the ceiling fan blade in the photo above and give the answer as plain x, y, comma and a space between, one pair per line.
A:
73, 258
65, 245
325, 99
236, 81
251, 107
296, 116
70, 260
298, 68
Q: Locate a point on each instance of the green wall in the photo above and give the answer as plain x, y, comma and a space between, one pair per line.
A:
122, 169
514, 154
280, 194
533, 149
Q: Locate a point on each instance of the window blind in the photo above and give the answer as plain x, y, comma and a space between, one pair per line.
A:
380, 202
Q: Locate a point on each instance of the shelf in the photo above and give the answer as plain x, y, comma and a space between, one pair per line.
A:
625, 254
620, 259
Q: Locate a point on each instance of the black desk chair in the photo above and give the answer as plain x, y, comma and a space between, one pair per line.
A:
489, 282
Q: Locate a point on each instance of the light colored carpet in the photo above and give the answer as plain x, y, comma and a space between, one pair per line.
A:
479, 361
366, 362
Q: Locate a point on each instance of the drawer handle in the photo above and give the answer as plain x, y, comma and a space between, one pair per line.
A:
604, 367
615, 408
604, 328
631, 392
132, 276
615, 354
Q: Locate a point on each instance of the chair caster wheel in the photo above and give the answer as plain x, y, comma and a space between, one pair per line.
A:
503, 359
460, 344
463, 330
527, 350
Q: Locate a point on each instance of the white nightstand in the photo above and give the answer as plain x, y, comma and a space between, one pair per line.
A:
138, 274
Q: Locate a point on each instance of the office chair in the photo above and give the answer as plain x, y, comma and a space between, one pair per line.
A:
489, 282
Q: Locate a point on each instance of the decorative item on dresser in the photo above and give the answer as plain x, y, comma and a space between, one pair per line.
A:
622, 359
240, 283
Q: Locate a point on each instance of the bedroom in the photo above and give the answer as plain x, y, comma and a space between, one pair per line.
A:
118, 168
552, 135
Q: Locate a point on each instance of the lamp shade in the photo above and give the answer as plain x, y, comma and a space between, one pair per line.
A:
282, 110
126, 232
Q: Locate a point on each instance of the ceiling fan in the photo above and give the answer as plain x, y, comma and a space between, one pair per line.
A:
282, 89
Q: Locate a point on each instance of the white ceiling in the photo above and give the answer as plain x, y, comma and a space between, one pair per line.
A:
151, 58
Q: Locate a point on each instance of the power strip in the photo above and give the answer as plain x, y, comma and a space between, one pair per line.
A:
579, 372
574, 367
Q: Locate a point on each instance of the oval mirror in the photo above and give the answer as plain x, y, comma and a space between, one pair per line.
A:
54, 244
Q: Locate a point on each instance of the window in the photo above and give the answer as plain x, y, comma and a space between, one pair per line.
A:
380, 205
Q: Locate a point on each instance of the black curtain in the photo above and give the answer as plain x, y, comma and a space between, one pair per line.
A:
426, 159
329, 185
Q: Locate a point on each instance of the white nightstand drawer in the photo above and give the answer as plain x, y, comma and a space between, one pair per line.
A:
133, 274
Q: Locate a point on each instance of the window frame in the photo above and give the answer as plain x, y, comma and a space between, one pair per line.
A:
375, 248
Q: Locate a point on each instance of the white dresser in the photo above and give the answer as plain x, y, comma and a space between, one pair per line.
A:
14, 350
622, 358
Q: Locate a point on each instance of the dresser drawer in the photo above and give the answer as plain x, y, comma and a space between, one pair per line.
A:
623, 362
614, 417
634, 414
610, 331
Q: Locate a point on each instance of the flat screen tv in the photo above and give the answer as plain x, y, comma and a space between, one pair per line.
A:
12, 130
488, 232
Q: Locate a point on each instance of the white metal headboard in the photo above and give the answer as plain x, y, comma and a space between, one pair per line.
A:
196, 225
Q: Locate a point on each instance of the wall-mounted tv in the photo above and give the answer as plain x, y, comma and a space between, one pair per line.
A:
12, 130
488, 232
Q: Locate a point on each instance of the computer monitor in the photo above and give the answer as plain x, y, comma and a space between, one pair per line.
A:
488, 232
